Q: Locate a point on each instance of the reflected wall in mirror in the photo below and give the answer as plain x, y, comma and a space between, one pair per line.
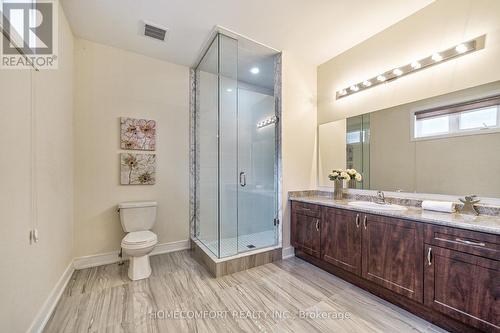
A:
448, 144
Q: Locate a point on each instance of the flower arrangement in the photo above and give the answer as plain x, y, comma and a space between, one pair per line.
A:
347, 174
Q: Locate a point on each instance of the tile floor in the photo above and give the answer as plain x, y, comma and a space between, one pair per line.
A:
180, 296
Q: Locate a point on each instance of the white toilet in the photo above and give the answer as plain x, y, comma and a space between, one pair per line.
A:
137, 218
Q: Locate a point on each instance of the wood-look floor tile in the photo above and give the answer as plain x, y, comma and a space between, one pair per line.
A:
103, 299
97, 278
375, 312
325, 282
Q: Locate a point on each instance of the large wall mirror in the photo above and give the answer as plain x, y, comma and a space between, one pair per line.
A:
448, 144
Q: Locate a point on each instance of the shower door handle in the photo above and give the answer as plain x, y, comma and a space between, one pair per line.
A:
243, 179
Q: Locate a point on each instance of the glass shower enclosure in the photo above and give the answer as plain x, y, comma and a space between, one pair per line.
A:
236, 147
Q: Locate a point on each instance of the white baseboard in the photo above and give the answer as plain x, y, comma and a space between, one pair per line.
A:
288, 252
112, 257
171, 247
48, 307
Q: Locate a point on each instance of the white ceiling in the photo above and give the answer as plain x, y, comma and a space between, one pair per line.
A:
314, 30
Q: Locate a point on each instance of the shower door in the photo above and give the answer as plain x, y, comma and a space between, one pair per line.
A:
257, 193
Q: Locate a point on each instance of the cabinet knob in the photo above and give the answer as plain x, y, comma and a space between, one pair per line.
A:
317, 224
429, 256
357, 221
365, 222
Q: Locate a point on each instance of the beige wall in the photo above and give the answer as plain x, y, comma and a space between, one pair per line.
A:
332, 149
299, 131
440, 25
30, 272
111, 83
392, 154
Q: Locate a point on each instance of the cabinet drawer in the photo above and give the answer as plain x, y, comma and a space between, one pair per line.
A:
472, 242
306, 209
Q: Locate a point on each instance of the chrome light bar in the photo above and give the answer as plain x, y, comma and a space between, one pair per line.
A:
415, 66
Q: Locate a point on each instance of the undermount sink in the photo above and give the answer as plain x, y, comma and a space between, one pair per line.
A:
376, 206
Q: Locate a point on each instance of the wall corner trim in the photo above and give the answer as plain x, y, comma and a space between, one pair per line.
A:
288, 252
49, 305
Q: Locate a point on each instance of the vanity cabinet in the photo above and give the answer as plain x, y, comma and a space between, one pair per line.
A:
392, 252
306, 228
446, 275
341, 239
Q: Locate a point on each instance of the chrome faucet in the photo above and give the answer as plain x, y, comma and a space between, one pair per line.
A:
380, 198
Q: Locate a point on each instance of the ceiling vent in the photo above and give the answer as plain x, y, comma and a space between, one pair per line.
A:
155, 31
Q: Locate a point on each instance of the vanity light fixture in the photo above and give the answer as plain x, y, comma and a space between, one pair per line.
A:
254, 70
400, 71
267, 122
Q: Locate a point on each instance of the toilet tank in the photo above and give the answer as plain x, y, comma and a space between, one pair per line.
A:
137, 215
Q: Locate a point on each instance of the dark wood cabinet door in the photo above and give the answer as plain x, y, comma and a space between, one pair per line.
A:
463, 286
341, 239
305, 233
392, 254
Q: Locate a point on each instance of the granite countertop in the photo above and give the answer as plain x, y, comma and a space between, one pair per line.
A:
483, 223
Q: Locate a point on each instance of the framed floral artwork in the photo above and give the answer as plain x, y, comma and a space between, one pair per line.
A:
137, 134
137, 169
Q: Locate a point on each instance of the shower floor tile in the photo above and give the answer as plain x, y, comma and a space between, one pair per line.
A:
248, 242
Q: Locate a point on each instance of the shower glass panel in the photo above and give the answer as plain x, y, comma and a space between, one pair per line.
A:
207, 164
228, 150
358, 148
256, 159
236, 148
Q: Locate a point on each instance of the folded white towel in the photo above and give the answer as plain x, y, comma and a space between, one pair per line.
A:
439, 206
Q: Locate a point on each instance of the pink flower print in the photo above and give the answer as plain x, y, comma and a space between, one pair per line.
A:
148, 128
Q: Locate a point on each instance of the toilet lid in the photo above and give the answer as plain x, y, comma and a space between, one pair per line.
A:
139, 237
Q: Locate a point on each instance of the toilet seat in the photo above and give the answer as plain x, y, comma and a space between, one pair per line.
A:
139, 239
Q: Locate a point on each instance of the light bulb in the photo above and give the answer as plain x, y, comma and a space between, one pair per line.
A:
255, 70
437, 57
397, 72
354, 88
415, 65
343, 92
381, 78
461, 48
367, 83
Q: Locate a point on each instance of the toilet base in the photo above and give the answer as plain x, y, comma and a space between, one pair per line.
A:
139, 268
